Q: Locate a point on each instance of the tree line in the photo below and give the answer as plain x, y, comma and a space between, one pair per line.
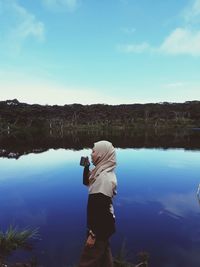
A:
14, 114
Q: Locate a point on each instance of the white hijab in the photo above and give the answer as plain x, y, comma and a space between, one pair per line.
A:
102, 178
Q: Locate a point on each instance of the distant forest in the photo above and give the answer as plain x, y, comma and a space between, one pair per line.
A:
15, 115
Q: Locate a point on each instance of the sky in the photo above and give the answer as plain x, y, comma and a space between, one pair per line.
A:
99, 51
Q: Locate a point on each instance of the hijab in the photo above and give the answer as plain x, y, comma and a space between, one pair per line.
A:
102, 178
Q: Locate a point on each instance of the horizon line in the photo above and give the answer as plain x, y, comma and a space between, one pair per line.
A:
75, 103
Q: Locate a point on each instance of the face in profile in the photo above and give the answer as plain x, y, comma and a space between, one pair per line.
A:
94, 157
102, 150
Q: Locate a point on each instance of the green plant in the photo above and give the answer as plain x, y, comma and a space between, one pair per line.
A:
121, 259
143, 258
14, 239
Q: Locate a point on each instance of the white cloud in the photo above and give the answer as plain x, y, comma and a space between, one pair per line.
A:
185, 39
18, 25
174, 85
180, 91
46, 92
31, 87
174, 205
61, 5
182, 41
192, 12
134, 48
180, 204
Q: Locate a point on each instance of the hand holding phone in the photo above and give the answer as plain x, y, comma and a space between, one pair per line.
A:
84, 161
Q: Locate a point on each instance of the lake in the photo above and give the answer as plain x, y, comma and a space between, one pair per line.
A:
157, 209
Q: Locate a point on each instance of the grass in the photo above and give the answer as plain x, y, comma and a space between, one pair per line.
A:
14, 239
121, 260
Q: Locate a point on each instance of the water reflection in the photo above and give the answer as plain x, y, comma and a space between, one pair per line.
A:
156, 206
17, 144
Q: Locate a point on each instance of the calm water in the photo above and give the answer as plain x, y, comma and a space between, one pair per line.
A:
156, 207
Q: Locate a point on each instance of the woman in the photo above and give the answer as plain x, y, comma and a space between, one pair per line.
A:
102, 184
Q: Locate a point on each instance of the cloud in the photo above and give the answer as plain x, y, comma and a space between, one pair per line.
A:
62, 5
23, 85
134, 48
180, 91
174, 85
185, 40
180, 204
25, 89
191, 13
182, 41
18, 25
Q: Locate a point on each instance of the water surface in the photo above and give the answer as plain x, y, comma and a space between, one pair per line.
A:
156, 207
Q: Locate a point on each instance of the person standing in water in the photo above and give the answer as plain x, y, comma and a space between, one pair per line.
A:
102, 184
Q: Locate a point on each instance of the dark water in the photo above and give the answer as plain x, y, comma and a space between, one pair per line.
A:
157, 209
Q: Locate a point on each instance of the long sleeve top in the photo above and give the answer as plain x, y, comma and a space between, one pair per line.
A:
100, 218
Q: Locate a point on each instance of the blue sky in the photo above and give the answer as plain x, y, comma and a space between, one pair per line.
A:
105, 51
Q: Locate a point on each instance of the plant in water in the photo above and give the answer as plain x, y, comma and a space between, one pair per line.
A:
143, 258
121, 259
14, 239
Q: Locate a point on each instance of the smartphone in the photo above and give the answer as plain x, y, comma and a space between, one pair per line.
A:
84, 161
